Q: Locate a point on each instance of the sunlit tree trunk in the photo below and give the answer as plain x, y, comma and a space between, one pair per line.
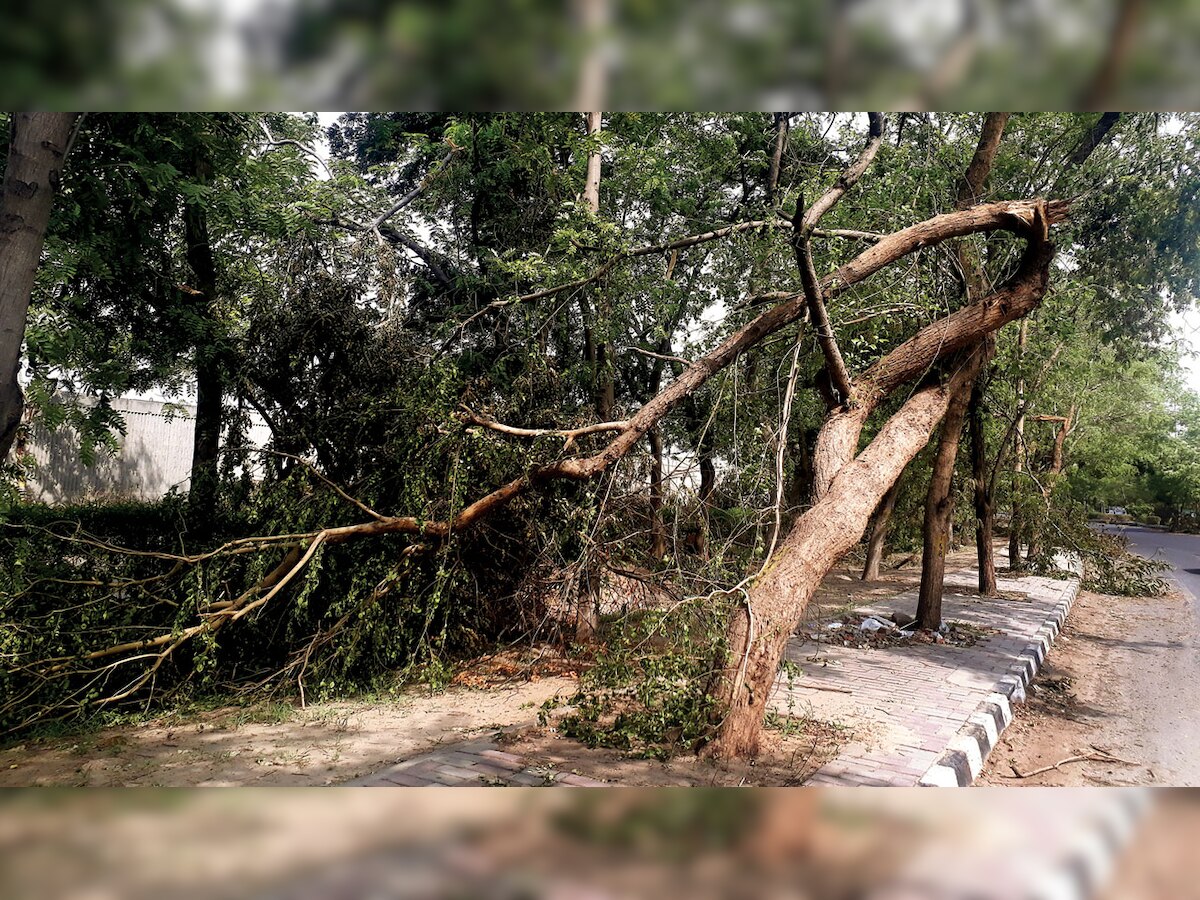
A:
36, 152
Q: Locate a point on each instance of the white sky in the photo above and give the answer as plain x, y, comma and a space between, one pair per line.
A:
1187, 329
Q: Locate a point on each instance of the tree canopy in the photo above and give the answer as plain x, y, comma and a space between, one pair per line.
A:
485, 394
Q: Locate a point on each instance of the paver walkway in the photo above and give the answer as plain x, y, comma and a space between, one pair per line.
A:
920, 713
919, 702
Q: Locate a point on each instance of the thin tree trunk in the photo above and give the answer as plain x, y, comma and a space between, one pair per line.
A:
879, 531
210, 389
939, 507
1016, 523
658, 532
598, 350
781, 136
984, 513
36, 152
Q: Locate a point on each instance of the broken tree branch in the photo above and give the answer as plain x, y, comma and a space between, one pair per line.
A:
417, 190
850, 175
896, 441
569, 434
839, 377
1098, 756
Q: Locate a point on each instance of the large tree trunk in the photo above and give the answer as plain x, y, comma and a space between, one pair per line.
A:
939, 504
775, 604
843, 504
210, 381
984, 512
36, 151
879, 530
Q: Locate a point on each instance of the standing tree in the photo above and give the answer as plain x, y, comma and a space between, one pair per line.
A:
37, 150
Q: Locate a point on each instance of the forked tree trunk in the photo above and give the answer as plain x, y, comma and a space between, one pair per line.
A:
984, 513
760, 630
848, 491
879, 530
939, 504
36, 152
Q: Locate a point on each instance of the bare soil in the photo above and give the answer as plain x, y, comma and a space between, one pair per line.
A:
1157, 865
786, 759
267, 744
1084, 701
280, 744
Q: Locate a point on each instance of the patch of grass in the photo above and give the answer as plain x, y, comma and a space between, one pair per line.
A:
271, 713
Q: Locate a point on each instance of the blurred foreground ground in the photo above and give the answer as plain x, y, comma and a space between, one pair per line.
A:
598, 844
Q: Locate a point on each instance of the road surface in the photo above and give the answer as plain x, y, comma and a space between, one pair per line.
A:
1157, 664
1182, 551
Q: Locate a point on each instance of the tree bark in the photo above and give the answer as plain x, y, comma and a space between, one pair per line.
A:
210, 380
658, 532
598, 350
879, 531
1016, 523
844, 503
939, 503
782, 120
759, 632
36, 153
984, 511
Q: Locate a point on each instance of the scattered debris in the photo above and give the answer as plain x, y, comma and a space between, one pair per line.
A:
876, 631
1098, 755
870, 623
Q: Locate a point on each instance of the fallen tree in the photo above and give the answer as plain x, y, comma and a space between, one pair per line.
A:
848, 484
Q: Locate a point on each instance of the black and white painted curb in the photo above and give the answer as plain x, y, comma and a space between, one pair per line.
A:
1087, 864
1031, 844
963, 758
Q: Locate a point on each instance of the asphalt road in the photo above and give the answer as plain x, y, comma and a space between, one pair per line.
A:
1155, 669
1182, 551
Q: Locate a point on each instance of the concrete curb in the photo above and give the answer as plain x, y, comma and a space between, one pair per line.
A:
1089, 863
962, 761
1030, 846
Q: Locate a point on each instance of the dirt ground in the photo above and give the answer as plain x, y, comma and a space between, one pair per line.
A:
1157, 865
279, 744
272, 744
1080, 703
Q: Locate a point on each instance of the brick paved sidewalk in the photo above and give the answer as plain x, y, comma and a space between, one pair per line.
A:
920, 713
928, 713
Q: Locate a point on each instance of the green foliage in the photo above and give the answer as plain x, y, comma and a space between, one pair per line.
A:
1108, 566
359, 349
647, 691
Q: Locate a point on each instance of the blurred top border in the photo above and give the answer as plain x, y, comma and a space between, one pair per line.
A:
601, 54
